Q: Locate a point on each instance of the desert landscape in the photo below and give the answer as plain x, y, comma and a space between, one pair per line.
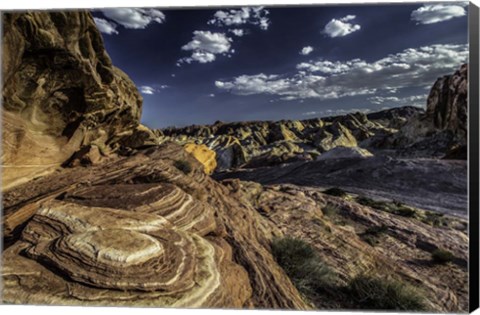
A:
353, 211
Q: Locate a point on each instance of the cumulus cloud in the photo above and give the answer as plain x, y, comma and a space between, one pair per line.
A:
324, 79
205, 45
341, 27
306, 50
248, 15
434, 13
135, 18
237, 32
105, 26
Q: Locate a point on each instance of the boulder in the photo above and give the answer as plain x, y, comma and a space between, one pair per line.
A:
345, 153
204, 155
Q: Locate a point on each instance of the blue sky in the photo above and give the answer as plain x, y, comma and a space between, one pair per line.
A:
270, 63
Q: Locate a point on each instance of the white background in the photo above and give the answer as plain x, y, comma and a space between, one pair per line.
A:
48, 4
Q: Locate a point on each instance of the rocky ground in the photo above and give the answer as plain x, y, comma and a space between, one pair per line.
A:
431, 184
100, 210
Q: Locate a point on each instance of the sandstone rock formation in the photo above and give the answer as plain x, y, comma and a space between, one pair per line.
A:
403, 250
447, 103
443, 127
345, 153
139, 231
132, 219
264, 143
60, 92
204, 155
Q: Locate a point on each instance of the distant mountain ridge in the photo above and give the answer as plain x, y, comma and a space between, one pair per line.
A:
438, 132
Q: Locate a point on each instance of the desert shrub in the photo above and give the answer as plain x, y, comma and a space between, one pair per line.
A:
434, 219
442, 256
183, 166
335, 191
373, 234
394, 207
302, 265
405, 211
372, 203
330, 210
373, 293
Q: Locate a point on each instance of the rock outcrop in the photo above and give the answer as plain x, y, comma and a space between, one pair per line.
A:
265, 143
344, 243
139, 231
447, 103
204, 155
345, 153
443, 127
60, 92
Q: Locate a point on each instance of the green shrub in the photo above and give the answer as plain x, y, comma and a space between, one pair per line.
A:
442, 256
385, 294
329, 210
183, 166
372, 203
434, 219
335, 191
373, 234
302, 265
405, 212
394, 207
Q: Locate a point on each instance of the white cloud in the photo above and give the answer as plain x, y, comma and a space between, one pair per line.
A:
211, 95
237, 32
434, 13
205, 45
150, 90
393, 101
134, 18
248, 15
306, 50
323, 79
336, 112
105, 26
144, 89
341, 27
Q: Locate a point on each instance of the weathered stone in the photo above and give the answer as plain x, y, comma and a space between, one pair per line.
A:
345, 153
204, 155
60, 92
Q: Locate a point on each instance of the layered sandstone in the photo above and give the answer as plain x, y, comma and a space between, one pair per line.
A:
139, 231
60, 92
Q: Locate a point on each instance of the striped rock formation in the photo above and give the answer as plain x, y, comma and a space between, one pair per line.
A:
138, 231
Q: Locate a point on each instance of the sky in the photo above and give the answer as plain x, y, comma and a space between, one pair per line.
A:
198, 66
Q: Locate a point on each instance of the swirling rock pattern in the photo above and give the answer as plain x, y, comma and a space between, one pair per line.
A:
112, 249
138, 231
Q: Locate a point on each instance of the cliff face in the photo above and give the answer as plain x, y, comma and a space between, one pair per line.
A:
60, 92
442, 131
447, 103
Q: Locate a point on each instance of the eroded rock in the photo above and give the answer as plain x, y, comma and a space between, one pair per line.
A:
60, 92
